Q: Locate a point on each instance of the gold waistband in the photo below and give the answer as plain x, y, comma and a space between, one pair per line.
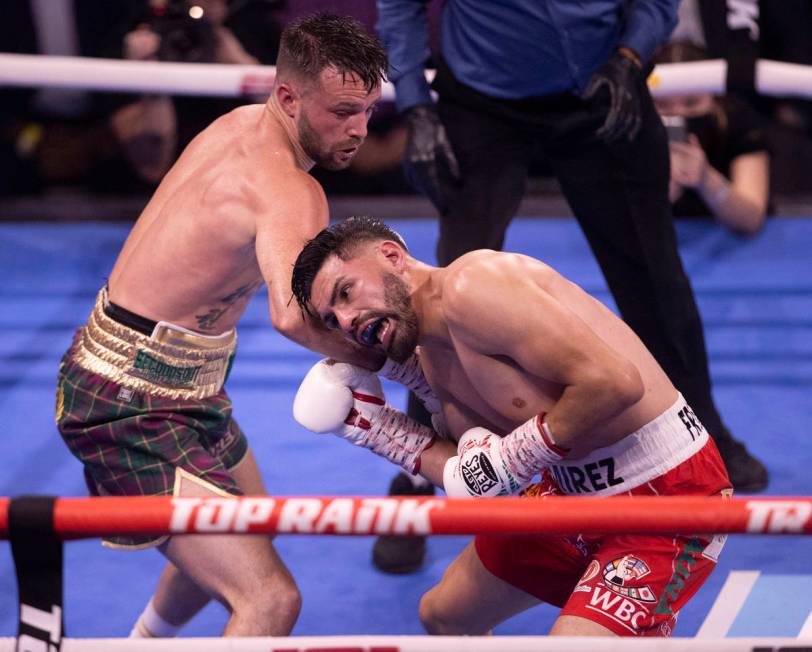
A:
172, 363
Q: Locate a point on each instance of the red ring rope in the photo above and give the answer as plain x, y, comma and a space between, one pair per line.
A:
76, 518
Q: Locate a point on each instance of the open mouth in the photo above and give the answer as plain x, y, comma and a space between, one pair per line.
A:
350, 149
374, 332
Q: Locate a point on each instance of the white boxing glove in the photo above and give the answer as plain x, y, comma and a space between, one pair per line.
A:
479, 469
348, 401
338, 398
489, 465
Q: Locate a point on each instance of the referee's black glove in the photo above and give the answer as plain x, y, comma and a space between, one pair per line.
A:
429, 162
617, 83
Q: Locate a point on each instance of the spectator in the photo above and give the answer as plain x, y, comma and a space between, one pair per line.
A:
244, 33
570, 78
50, 136
719, 158
114, 142
766, 29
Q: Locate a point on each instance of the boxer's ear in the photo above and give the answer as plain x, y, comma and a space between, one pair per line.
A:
287, 98
392, 253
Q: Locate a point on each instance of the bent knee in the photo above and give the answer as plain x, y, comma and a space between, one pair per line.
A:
437, 619
289, 605
278, 601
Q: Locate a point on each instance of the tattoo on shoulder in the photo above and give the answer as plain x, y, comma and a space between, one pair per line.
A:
208, 320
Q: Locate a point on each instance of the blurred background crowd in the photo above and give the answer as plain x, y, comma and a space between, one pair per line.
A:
55, 142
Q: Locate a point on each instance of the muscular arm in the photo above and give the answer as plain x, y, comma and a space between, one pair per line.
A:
288, 221
502, 307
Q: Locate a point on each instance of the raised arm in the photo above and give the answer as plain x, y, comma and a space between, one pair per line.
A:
288, 220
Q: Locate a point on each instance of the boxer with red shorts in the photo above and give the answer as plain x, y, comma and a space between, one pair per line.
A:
630, 584
532, 375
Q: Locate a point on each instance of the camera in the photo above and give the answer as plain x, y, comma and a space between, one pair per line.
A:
184, 37
676, 128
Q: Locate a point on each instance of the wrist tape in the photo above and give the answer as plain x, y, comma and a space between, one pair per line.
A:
398, 438
530, 448
411, 376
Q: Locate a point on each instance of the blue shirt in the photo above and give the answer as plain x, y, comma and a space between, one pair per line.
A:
514, 49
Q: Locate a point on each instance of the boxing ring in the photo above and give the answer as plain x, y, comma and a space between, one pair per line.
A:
756, 300
35, 524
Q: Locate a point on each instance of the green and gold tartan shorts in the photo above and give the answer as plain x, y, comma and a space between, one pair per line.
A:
133, 441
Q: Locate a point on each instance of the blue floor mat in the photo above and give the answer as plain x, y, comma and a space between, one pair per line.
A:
756, 300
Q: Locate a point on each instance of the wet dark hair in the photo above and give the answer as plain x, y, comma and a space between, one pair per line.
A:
340, 239
313, 43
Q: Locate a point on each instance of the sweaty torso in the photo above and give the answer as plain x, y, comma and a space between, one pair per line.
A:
495, 392
190, 258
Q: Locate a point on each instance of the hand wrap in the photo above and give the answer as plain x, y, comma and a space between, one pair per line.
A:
489, 465
348, 401
410, 375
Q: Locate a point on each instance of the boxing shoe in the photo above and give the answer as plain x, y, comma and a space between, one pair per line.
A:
747, 474
399, 555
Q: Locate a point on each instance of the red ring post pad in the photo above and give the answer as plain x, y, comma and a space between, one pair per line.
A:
77, 518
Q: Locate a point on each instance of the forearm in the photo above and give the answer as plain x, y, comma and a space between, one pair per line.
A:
312, 335
585, 407
433, 459
349, 402
488, 465
570, 422
730, 205
675, 191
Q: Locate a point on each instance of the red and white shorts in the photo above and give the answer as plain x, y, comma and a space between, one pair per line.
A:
633, 585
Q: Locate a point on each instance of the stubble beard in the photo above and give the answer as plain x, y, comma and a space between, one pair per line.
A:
399, 303
313, 146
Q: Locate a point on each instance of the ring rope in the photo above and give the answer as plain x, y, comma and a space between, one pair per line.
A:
77, 518
227, 80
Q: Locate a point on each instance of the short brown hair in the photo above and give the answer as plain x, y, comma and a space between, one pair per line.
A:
313, 43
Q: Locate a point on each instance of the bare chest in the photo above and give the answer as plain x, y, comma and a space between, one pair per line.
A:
187, 277
481, 390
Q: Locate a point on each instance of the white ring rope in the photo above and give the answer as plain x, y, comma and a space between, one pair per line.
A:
425, 644
95, 74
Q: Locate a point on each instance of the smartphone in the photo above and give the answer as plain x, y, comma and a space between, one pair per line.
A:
676, 128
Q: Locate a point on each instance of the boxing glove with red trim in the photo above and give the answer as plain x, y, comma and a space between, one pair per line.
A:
489, 465
348, 401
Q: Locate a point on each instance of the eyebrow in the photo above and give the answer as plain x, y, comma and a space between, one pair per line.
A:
334, 293
348, 105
